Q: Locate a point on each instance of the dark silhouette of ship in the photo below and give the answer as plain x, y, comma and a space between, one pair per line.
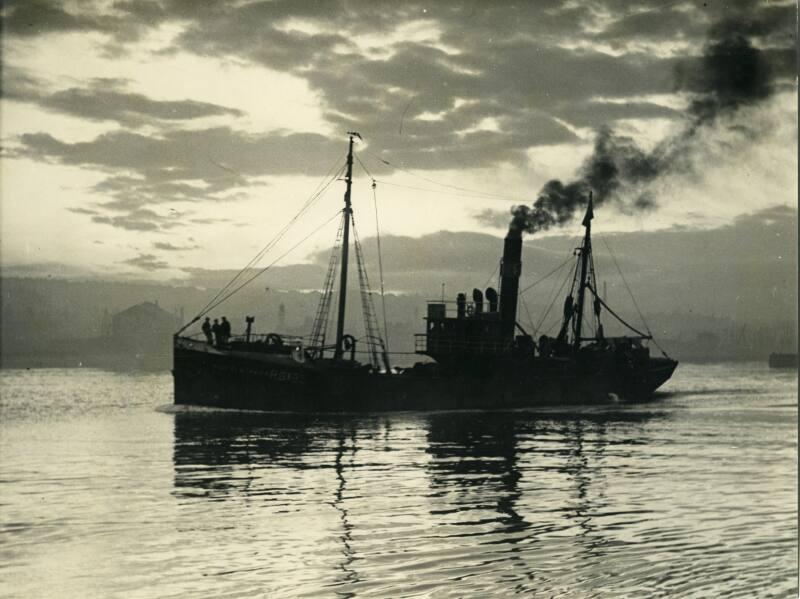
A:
783, 360
482, 358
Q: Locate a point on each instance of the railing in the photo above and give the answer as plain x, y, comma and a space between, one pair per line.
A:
470, 309
265, 339
269, 339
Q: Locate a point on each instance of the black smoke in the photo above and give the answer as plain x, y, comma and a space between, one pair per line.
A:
732, 73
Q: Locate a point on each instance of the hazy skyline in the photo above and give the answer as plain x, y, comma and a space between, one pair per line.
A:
146, 138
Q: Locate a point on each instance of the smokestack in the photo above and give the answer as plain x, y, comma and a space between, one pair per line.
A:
510, 270
461, 305
491, 297
477, 300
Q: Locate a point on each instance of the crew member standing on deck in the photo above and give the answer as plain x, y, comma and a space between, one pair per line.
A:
207, 331
225, 329
216, 328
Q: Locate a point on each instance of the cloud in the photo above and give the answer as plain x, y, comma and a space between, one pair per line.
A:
450, 85
780, 215
126, 194
532, 71
140, 219
591, 112
121, 21
667, 24
147, 262
82, 210
249, 31
37, 17
98, 102
104, 99
432, 253
504, 63
166, 246
528, 90
209, 221
192, 154
490, 217
180, 166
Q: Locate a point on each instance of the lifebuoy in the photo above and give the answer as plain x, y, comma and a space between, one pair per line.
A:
298, 354
349, 344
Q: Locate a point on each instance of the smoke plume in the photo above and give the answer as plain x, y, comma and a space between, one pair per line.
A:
731, 74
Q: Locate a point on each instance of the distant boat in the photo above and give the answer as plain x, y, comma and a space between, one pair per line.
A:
482, 357
783, 360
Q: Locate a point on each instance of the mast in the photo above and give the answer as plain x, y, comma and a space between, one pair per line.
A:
586, 254
348, 212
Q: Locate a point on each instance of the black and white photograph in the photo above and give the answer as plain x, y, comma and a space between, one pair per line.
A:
408, 299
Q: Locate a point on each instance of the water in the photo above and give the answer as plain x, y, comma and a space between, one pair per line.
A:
104, 495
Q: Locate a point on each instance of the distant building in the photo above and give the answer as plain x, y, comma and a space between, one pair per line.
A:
144, 326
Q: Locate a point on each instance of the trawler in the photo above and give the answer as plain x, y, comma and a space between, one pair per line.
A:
477, 355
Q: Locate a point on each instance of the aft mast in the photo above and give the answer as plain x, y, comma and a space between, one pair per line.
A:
348, 215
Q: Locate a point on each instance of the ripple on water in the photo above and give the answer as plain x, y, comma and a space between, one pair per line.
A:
693, 495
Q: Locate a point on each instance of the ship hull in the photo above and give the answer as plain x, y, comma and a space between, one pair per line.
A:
206, 376
783, 360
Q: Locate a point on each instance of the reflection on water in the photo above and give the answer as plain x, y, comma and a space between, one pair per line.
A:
510, 496
693, 495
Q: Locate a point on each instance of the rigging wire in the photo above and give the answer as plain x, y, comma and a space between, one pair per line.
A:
553, 301
452, 193
635, 304
271, 264
380, 253
429, 180
364, 166
262, 252
319, 190
552, 272
340, 162
622, 276
488, 280
380, 259
552, 326
319, 329
527, 312
372, 330
617, 316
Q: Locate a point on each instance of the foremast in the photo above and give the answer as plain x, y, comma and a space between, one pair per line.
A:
586, 257
584, 279
348, 215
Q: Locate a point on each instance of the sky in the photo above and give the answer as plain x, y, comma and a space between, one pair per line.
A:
149, 139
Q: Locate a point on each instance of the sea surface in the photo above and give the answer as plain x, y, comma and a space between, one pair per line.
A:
106, 491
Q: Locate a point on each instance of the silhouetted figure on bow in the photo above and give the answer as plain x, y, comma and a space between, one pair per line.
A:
216, 328
225, 329
207, 331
